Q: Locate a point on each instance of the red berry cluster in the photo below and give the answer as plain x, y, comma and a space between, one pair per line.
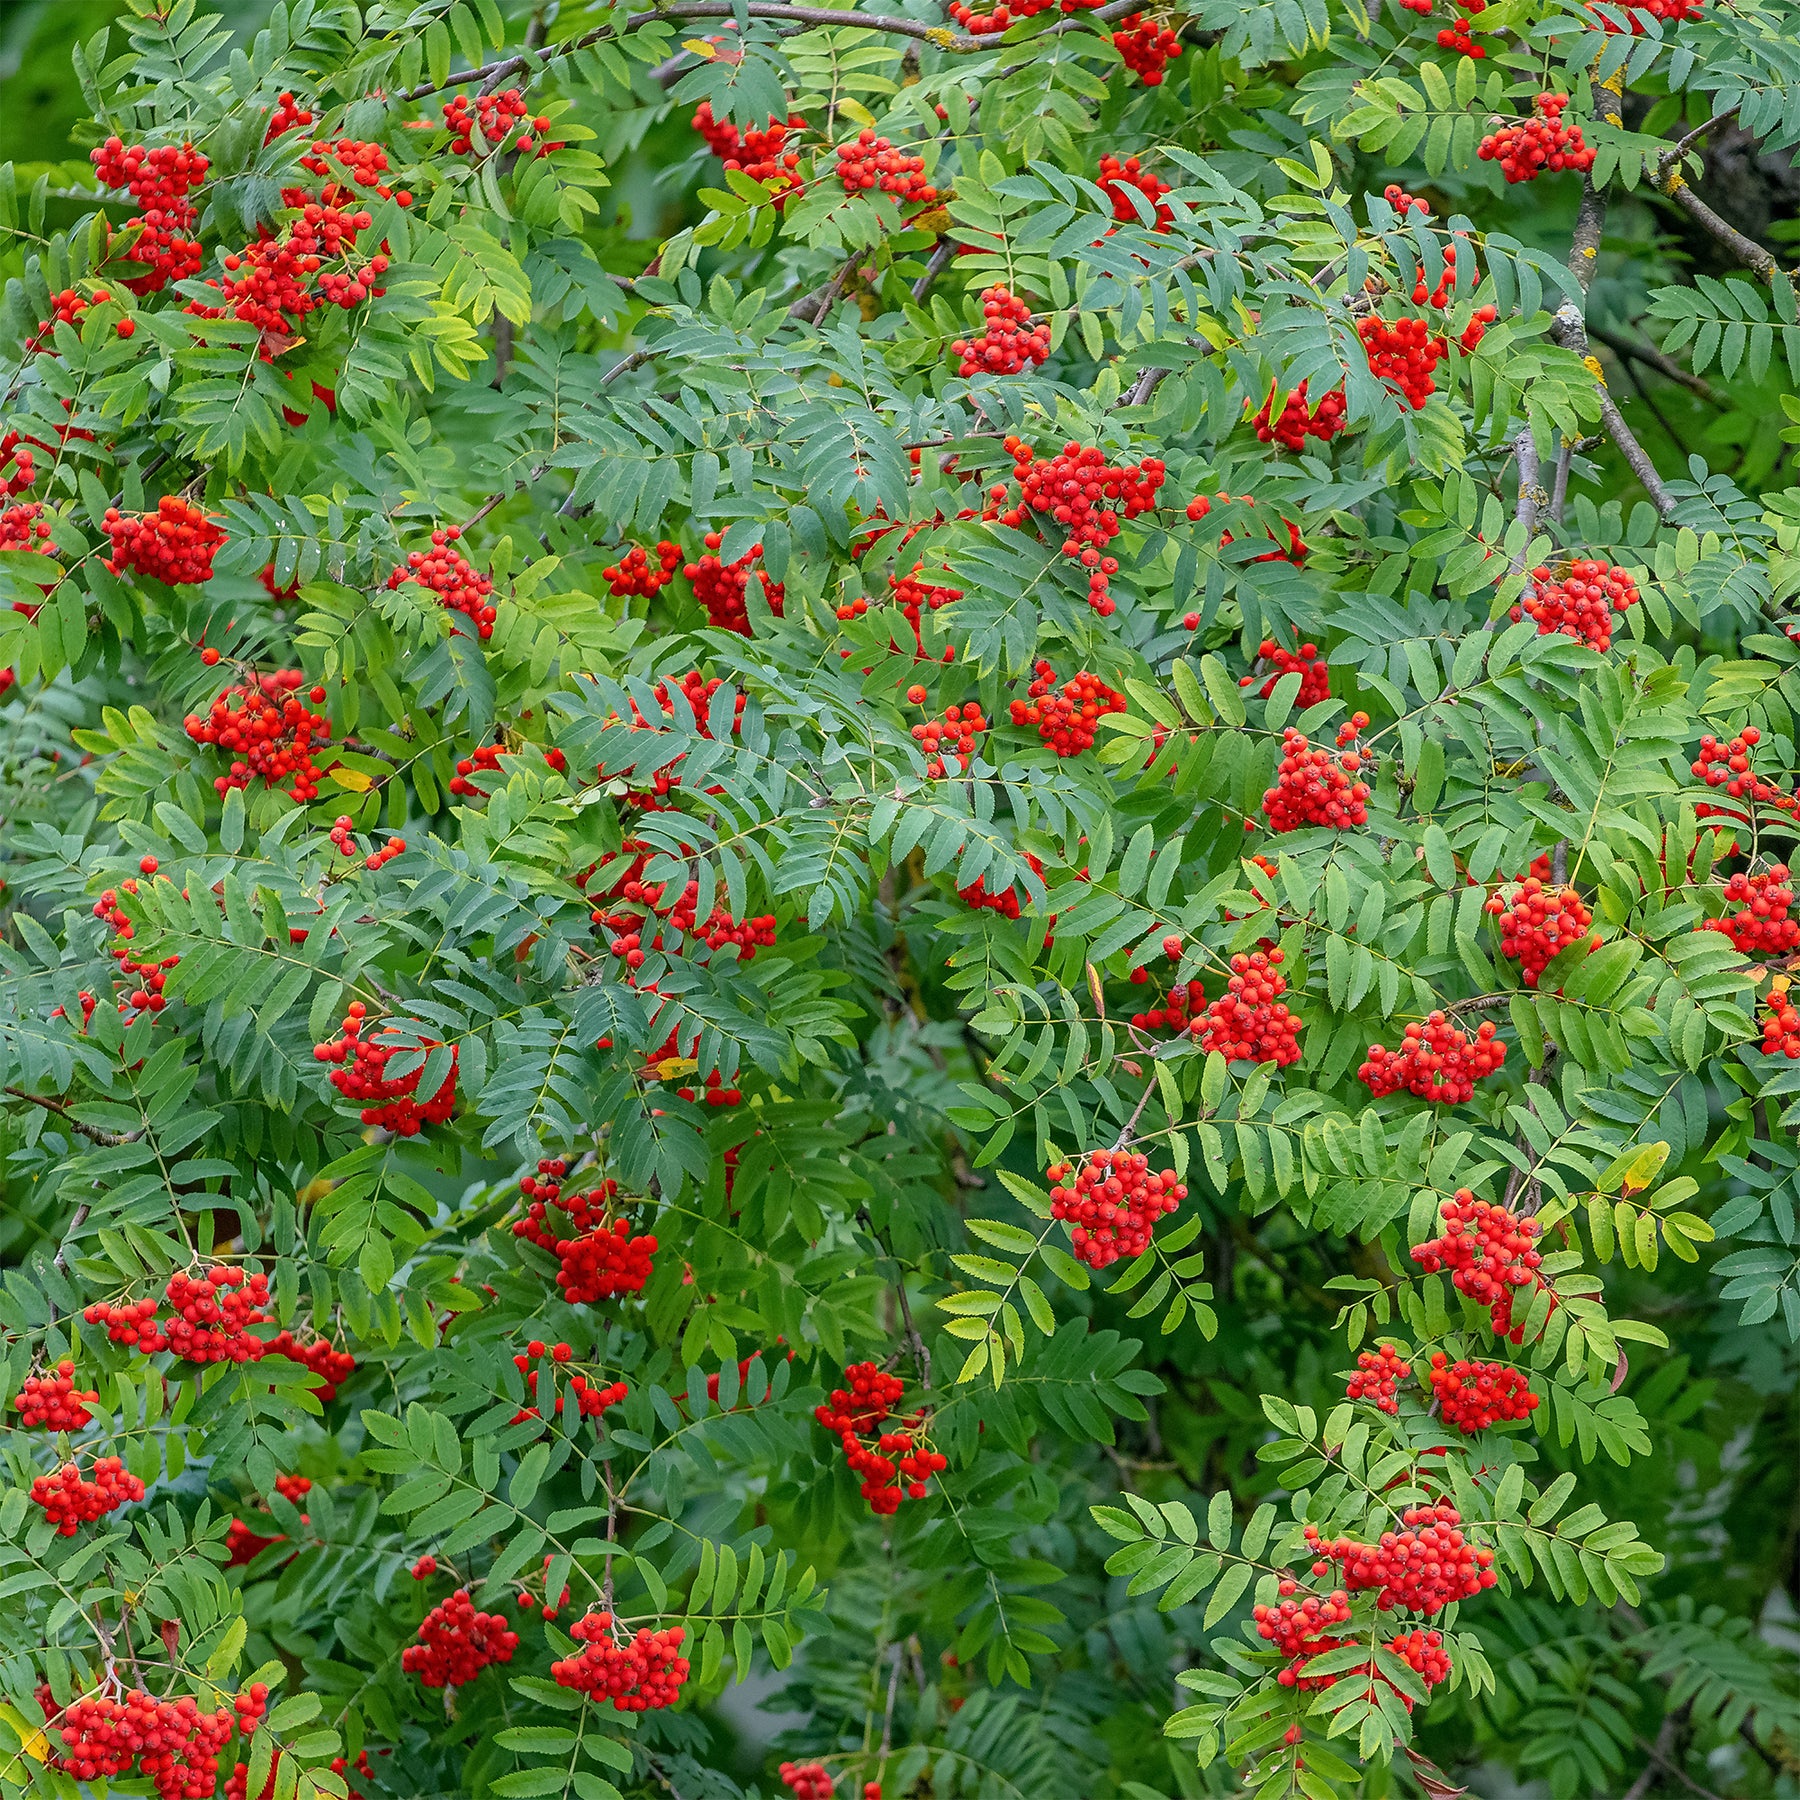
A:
289, 115
456, 582
632, 573
630, 926
484, 757
1470, 338
282, 276
14, 451
807, 1781
1308, 659
1111, 1204
1474, 1395
1250, 1022
269, 733
719, 587
895, 1457
1065, 721
1313, 787
1201, 505
332, 1367
1086, 497
1009, 12
1174, 1011
1301, 1627
494, 115
590, 1401
24, 527
243, 1545
148, 996
1394, 194
53, 1401
1581, 605
914, 598
1530, 147
600, 1258
171, 1742
176, 543
69, 1501
1490, 1253
1670, 12
712, 1092
699, 695
1423, 1652
1296, 424
392, 1105
210, 1320
1008, 341
976, 896
1147, 47
763, 155
955, 736
365, 163
1378, 1375
643, 1674
1406, 353
159, 180
870, 163
1538, 922
1456, 36
66, 306
343, 840
1116, 176
1781, 1028
1435, 1060
456, 1643
1727, 765
293, 1487
1763, 924
1422, 1569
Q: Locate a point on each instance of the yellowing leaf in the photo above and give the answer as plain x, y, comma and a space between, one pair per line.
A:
352, 779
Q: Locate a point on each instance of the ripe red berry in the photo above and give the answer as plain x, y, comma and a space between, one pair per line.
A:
1527, 148
1538, 922
1112, 1203
896, 1464
637, 1674
1471, 1396
1435, 1060
1490, 1253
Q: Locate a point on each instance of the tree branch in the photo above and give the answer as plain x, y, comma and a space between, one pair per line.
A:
92, 1132
1747, 250
940, 260
1653, 358
1531, 493
1569, 330
532, 62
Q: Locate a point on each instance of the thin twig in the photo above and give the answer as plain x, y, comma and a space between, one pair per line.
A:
1653, 358
60, 1108
1747, 250
940, 261
887, 1722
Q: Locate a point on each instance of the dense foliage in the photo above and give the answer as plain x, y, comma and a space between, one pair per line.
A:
850, 952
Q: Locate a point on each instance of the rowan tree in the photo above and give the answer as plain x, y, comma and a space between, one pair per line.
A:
813, 900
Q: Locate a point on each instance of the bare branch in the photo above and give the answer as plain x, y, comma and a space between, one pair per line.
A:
1653, 358
1569, 330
